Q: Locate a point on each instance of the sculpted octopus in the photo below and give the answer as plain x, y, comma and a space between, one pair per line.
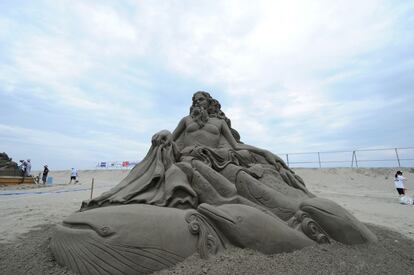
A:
201, 189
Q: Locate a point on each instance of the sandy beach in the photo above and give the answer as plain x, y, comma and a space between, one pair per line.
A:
29, 212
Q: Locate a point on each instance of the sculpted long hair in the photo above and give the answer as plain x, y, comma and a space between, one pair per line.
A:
214, 110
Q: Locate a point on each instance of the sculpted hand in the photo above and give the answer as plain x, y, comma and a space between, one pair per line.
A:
162, 137
269, 157
274, 160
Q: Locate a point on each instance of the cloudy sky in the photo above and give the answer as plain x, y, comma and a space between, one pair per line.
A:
89, 81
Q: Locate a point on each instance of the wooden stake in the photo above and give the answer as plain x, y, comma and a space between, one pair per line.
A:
93, 180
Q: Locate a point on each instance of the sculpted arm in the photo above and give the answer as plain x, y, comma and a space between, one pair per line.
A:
165, 136
269, 156
179, 129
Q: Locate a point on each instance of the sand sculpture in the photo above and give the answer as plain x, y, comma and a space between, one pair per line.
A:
199, 189
7, 166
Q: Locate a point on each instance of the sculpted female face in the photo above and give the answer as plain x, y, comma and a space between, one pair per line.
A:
200, 100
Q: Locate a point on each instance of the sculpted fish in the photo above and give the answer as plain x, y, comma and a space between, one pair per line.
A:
248, 227
127, 239
338, 223
278, 203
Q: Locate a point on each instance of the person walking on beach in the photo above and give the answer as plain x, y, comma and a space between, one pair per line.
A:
73, 175
45, 172
399, 183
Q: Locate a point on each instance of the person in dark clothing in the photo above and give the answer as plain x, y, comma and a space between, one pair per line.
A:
45, 172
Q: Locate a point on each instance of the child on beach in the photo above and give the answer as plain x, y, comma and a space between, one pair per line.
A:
399, 183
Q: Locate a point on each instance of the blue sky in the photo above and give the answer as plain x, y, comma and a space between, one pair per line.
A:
89, 81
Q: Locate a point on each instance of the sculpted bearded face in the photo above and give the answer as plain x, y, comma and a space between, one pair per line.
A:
204, 106
199, 115
199, 109
201, 99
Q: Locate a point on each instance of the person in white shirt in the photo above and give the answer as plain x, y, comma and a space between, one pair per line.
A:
73, 175
22, 167
28, 168
399, 183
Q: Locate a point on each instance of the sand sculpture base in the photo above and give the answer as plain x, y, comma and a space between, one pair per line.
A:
7, 180
140, 239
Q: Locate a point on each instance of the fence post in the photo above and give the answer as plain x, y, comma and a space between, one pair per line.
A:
398, 158
319, 159
93, 180
352, 161
356, 160
287, 159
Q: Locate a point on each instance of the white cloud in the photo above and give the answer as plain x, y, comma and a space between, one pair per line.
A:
242, 47
5, 27
282, 43
276, 60
248, 50
46, 58
89, 147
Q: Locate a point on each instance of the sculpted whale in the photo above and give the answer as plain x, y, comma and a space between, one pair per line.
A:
248, 227
126, 239
338, 223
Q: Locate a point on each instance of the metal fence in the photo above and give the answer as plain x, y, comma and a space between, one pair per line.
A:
382, 157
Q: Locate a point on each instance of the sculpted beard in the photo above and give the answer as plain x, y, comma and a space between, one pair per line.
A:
199, 115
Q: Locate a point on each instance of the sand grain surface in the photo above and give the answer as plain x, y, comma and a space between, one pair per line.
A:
28, 215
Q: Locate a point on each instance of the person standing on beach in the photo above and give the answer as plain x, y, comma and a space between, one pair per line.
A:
28, 168
45, 172
73, 175
399, 183
22, 168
